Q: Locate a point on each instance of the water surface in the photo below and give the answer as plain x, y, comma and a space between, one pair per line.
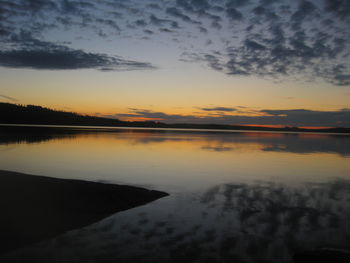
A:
234, 196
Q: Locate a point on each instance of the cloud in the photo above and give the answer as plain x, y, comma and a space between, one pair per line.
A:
39, 5
173, 11
254, 46
194, 6
237, 3
219, 109
29, 52
339, 7
302, 117
284, 47
141, 22
224, 115
234, 14
340, 79
140, 114
276, 39
217, 148
148, 32
158, 21
63, 58
305, 10
8, 98
109, 22
277, 57
154, 6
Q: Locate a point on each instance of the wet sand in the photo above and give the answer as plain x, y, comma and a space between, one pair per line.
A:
34, 208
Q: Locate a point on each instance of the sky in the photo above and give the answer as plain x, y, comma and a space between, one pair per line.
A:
247, 62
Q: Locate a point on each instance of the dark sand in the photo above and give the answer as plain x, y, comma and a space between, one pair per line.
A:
33, 208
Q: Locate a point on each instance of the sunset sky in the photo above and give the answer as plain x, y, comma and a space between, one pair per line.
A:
264, 62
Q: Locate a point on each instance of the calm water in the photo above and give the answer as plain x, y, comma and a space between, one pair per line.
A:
234, 196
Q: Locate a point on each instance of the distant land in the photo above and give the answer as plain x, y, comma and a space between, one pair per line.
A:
32, 114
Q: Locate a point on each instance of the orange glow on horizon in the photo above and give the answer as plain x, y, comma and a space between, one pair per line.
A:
315, 127
283, 126
141, 119
111, 113
263, 125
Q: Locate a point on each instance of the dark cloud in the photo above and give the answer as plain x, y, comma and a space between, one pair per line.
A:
293, 117
216, 25
236, 3
26, 51
166, 30
29, 52
276, 51
217, 148
339, 7
8, 98
140, 22
185, 4
259, 10
154, 6
270, 2
152, 115
65, 58
109, 22
304, 117
262, 12
200, 4
177, 13
281, 55
234, 14
340, 79
194, 10
219, 109
148, 32
254, 46
70, 6
39, 5
217, 8
193, 6
158, 21
305, 10
204, 30
278, 39
175, 25
213, 62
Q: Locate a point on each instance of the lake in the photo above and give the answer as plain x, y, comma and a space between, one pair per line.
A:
234, 196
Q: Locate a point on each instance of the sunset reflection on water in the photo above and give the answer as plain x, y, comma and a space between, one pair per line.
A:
238, 196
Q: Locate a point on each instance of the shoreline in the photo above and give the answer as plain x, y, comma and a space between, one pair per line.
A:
331, 131
34, 208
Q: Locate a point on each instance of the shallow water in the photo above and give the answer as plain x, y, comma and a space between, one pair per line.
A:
234, 196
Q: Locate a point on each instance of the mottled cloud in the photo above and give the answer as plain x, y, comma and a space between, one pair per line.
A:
340, 8
246, 116
274, 39
307, 42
